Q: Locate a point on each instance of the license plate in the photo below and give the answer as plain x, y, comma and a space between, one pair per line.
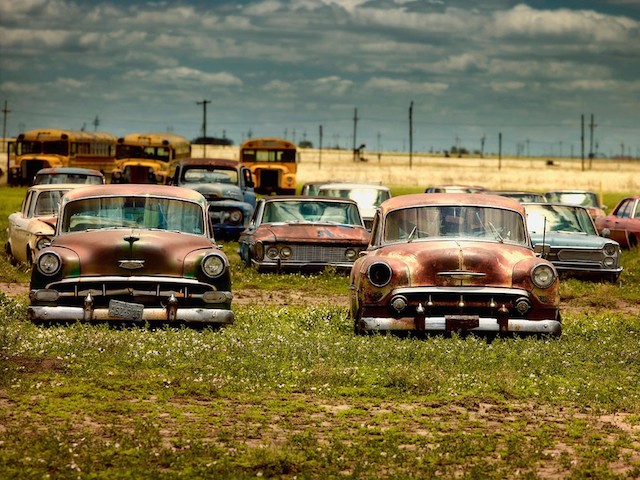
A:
125, 310
455, 323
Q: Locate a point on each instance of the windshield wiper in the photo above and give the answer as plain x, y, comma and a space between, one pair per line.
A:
495, 232
412, 234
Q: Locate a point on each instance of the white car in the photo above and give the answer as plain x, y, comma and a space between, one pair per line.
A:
367, 196
33, 226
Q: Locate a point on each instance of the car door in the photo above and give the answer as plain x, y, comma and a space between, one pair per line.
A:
618, 222
19, 226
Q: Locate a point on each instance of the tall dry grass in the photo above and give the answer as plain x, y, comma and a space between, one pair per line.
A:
391, 168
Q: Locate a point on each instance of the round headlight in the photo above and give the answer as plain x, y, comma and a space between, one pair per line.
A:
379, 274
49, 263
609, 262
610, 249
213, 265
272, 253
351, 254
285, 252
543, 276
235, 216
42, 242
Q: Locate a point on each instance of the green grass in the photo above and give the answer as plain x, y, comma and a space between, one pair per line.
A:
290, 392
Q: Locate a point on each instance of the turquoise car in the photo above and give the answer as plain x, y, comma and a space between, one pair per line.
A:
566, 235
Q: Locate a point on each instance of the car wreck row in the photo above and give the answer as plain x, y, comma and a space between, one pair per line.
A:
430, 263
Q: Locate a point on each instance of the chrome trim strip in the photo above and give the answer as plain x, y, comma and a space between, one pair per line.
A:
215, 316
437, 324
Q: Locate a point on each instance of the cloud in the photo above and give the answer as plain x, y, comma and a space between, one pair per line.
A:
523, 21
184, 75
404, 86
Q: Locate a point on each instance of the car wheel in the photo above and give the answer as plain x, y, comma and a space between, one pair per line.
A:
12, 259
633, 241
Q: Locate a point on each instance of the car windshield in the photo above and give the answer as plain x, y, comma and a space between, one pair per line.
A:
133, 212
47, 203
210, 175
586, 199
559, 218
362, 195
460, 221
317, 211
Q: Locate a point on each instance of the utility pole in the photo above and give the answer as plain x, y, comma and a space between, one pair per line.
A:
204, 124
411, 135
5, 111
592, 125
320, 146
500, 151
355, 126
96, 122
582, 139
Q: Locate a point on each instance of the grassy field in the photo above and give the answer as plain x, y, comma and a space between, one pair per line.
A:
289, 392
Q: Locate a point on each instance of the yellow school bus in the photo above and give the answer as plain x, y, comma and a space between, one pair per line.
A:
36, 149
146, 157
273, 162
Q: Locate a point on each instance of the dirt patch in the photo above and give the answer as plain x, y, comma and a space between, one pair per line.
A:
14, 289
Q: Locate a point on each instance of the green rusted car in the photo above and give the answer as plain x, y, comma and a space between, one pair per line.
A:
132, 253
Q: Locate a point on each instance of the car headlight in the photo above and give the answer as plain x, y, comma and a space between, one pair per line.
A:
235, 216
609, 262
610, 249
543, 276
49, 263
351, 254
43, 242
285, 252
213, 265
379, 274
272, 253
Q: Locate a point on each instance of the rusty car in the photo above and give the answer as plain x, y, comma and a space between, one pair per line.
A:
228, 187
86, 176
31, 228
132, 253
566, 235
302, 233
367, 196
623, 224
441, 263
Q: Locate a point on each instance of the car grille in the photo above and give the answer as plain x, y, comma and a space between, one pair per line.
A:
317, 254
144, 290
463, 301
570, 255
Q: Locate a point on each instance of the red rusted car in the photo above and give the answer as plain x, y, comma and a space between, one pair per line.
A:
302, 233
123, 253
453, 263
623, 224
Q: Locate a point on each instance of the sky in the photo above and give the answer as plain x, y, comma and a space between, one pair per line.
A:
517, 77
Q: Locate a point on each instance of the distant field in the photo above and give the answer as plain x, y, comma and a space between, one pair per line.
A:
622, 176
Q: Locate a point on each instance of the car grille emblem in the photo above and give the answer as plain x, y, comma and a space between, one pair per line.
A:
131, 264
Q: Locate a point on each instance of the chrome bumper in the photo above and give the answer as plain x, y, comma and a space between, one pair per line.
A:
485, 324
203, 316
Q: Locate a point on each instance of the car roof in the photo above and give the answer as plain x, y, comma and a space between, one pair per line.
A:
456, 199
134, 189
307, 198
76, 170
56, 186
210, 161
347, 186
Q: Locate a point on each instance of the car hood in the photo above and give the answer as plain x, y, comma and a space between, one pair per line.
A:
455, 262
132, 252
313, 233
217, 191
570, 240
